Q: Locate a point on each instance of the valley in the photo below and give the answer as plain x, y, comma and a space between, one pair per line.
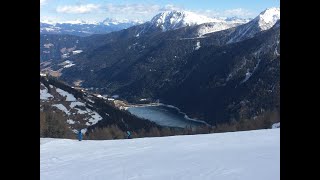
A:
159, 90
217, 71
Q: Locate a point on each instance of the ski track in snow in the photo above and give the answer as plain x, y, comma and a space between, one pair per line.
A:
248, 155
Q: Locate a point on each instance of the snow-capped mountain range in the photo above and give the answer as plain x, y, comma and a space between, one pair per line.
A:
165, 21
264, 21
83, 28
155, 61
268, 18
171, 20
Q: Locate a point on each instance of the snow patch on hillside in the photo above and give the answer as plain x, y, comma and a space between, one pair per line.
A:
197, 46
70, 121
214, 27
44, 95
76, 103
62, 108
76, 52
95, 117
63, 93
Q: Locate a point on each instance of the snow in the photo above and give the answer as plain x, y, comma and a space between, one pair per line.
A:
48, 45
70, 121
171, 20
68, 65
247, 155
90, 100
62, 108
44, 95
83, 131
268, 18
49, 29
95, 117
236, 19
77, 103
76, 52
248, 75
275, 125
197, 46
276, 52
82, 111
63, 93
264, 21
214, 27
64, 56
115, 96
46, 140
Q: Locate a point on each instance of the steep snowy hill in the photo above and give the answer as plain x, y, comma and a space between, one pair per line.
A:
248, 155
264, 21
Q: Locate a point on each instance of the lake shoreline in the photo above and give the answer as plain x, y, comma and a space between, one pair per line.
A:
126, 106
165, 115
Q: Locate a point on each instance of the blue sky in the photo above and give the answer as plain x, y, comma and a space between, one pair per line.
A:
144, 10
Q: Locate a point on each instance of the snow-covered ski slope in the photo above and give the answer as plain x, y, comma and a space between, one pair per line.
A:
247, 155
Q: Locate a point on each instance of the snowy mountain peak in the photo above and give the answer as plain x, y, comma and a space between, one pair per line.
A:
171, 20
268, 18
264, 21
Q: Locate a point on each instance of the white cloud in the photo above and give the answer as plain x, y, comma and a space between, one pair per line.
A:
237, 12
136, 11
43, 2
132, 8
80, 9
171, 7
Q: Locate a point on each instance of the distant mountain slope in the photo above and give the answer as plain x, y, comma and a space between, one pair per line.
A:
85, 29
169, 65
264, 21
236, 81
82, 110
172, 20
53, 46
